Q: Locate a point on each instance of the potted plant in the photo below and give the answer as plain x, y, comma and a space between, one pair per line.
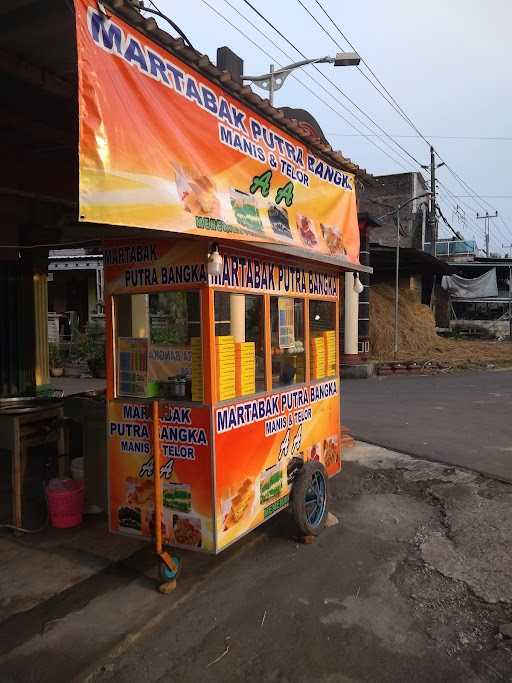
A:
76, 363
56, 364
96, 359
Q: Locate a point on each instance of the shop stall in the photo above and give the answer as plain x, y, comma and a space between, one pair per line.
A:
223, 316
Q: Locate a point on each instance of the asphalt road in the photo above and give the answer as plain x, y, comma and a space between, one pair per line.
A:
461, 419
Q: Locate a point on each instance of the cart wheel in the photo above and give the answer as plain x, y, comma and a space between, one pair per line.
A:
310, 498
165, 574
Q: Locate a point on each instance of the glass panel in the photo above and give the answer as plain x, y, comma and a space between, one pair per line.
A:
131, 344
322, 331
158, 341
240, 344
287, 339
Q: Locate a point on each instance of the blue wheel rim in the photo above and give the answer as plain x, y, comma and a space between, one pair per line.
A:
316, 499
167, 574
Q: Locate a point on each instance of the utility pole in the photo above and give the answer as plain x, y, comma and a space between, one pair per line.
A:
432, 219
487, 219
508, 246
397, 266
432, 216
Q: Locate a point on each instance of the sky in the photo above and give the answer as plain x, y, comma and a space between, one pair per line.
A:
447, 63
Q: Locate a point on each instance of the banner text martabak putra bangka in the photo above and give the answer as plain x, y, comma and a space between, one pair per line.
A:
163, 147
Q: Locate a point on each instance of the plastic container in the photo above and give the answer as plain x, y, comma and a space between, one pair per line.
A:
65, 502
78, 469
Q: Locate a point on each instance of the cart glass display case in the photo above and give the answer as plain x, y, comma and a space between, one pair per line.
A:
243, 368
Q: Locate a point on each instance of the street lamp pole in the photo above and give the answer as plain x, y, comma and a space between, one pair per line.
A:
397, 273
397, 267
271, 84
275, 78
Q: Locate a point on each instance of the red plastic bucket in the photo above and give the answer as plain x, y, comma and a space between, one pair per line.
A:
65, 502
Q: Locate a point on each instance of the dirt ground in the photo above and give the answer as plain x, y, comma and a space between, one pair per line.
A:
413, 583
459, 353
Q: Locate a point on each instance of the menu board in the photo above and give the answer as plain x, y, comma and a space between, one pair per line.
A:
132, 366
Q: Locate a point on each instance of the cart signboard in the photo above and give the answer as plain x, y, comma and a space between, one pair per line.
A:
161, 146
160, 265
186, 473
277, 431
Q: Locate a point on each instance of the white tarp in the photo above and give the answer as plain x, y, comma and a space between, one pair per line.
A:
471, 288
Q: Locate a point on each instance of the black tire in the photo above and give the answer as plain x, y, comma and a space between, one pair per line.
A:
301, 485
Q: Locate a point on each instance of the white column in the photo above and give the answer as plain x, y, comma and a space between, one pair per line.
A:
351, 316
237, 313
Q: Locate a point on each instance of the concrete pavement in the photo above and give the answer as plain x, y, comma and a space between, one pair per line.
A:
412, 584
462, 419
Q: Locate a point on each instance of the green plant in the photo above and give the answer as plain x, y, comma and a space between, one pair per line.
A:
96, 362
89, 346
55, 355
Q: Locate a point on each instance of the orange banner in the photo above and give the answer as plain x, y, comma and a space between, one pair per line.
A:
163, 147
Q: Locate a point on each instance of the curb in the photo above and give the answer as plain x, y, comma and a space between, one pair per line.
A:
450, 463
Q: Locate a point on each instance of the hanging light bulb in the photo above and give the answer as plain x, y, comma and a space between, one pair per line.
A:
214, 262
358, 285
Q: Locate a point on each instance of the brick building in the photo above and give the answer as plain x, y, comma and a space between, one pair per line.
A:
383, 196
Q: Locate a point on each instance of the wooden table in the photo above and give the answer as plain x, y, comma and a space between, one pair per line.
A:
27, 427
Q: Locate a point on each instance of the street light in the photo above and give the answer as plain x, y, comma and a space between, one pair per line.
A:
276, 77
397, 261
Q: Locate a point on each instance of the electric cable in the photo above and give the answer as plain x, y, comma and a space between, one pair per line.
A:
169, 21
331, 82
398, 106
386, 95
441, 214
253, 25
316, 95
438, 137
469, 218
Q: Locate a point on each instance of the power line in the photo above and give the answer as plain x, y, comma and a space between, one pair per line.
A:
402, 112
398, 163
169, 21
471, 211
398, 106
482, 203
278, 47
381, 93
267, 37
445, 221
489, 196
331, 82
437, 137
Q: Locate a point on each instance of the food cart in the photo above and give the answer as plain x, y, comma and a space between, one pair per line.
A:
223, 317
240, 373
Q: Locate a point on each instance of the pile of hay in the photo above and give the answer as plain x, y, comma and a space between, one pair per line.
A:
417, 333
417, 328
